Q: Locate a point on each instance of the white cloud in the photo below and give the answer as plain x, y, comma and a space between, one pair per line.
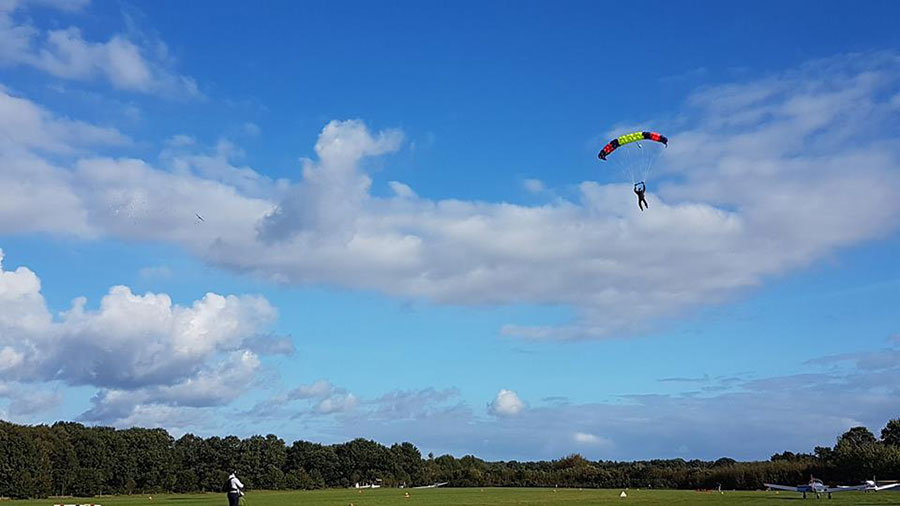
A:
10, 358
411, 404
182, 157
35, 194
180, 140
696, 423
328, 399
338, 403
754, 184
177, 420
318, 389
36, 402
763, 188
66, 54
587, 438
534, 185
330, 200
101, 196
24, 125
507, 403
139, 349
25, 403
401, 190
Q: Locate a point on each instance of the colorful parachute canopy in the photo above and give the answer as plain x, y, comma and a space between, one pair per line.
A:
632, 137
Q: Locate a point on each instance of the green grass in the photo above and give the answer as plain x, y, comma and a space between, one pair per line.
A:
473, 497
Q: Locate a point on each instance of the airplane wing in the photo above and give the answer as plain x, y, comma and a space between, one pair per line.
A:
887, 487
783, 487
845, 488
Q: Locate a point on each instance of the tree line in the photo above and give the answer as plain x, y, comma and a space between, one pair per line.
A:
70, 459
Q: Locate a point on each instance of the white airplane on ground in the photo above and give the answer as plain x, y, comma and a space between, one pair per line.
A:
816, 487
434, 485
873, 486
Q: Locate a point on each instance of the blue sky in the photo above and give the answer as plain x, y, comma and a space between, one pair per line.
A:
407, 235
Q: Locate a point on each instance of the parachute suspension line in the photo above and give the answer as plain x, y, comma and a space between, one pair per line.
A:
651, 161
633, 159
643, 154
643, 161
625, 163
629, 159
636, 165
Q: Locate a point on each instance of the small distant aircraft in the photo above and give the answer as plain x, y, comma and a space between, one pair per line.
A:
873, 486
434, 485
199, 218
815, 486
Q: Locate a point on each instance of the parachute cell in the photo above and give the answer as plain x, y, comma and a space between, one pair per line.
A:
629, 138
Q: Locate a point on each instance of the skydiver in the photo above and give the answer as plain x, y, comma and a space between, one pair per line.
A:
639, 190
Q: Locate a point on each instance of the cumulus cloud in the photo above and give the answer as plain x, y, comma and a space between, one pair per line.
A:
762, 187
507, 403
318, 389
138, 349
331, 198
322, 402
745, 416
411, 404
587, 438
126, 198
337, 403
25, 401
755, 184
25, 125
401, 190
177, 420
218, 164
65, 53
321, 397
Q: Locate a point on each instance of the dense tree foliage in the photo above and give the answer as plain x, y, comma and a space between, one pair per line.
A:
71, 459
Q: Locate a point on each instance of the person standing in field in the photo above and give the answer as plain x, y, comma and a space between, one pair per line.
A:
235, 490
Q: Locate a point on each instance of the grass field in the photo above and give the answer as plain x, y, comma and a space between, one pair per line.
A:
473, 497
